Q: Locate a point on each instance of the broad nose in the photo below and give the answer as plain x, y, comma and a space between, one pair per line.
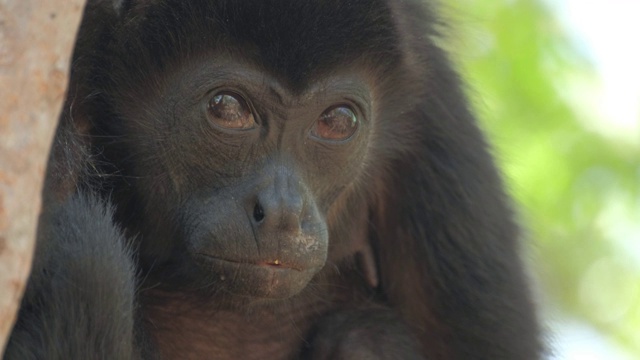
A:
279, 204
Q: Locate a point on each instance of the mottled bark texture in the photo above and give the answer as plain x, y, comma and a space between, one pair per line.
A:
36, 39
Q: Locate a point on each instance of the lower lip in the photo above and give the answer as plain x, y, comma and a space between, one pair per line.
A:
261, 264
258, 280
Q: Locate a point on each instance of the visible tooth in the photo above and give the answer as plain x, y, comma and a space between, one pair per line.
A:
277, 262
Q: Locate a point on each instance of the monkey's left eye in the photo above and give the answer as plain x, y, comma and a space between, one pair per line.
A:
336, 123
230, 111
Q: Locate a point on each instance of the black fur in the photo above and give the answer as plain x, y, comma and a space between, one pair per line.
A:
423, 252
79, 303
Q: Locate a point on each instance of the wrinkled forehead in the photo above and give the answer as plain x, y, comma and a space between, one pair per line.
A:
293, 39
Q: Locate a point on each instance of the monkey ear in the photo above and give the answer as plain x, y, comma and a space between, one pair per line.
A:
365, 255
366, 261
406, 239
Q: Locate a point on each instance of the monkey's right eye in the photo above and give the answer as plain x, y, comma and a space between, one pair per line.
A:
230, 111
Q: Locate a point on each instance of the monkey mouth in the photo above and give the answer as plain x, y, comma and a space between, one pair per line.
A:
272, 263
273, 278
276, 263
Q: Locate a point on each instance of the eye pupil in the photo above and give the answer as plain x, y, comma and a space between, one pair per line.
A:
230, 111
338, 123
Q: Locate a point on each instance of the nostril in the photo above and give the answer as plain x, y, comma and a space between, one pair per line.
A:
258, 212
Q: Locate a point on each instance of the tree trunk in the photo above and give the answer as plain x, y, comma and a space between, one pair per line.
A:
36, 40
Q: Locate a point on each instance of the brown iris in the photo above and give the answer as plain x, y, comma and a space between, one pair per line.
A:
336, 123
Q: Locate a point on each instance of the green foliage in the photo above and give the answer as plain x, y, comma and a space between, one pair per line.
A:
578, 191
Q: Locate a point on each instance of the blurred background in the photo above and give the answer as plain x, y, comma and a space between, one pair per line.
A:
557, 86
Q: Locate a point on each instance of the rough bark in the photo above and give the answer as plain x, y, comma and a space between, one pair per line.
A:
36, 39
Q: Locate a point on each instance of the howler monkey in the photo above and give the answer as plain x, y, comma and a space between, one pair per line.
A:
271, 179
